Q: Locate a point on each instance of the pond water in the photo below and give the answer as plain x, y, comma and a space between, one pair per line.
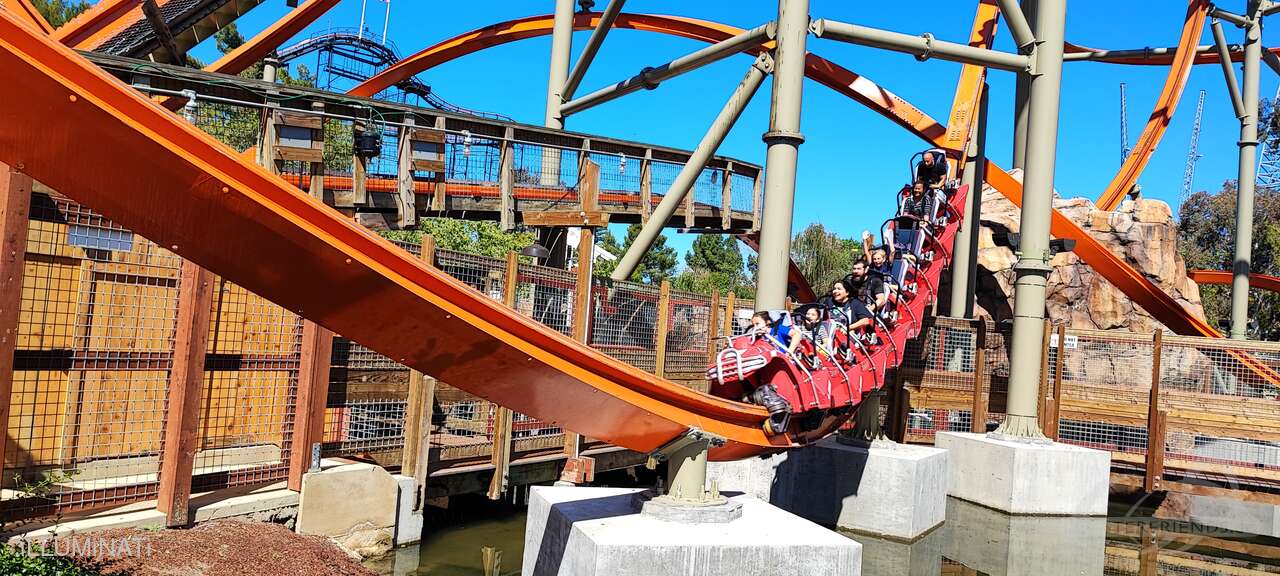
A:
1177, 534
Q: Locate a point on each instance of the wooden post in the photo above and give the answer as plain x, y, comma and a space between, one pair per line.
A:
359, 170
1155, 421
186, 380
15, 211
713, 326
726, 198
755, 204
660, 335
313, 391
646, 186
317, 168
406, 200
1055, 403
507, 180
582, 311
979, 425
418, 411
438, 199
730, 311
500, 455
1148, 551
1045, 339
689, 211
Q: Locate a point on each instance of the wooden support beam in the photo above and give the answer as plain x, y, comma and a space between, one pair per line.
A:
406, 203
313, 391
566, 218
646, 186
359, 170
713, 327
418, 410
1154, 470
500, 456
755, 203
979, 424
1055, 402
589, 187
576, 472
1041, 394
688, 207
177, 55
664, 323
507, 180
726, 198
15, 209
317, 165
186, 383
438, 199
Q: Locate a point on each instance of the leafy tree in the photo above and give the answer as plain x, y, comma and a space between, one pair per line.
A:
228, 38
657, 265
715, 265
1206, 239
59, 12
822, 256
472, 237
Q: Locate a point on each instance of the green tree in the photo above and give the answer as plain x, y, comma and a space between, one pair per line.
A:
657, 265
714, 265
822, 256
1206, 239
59, 12
473, 237
228, 38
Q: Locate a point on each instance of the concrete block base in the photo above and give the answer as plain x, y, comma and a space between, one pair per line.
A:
892, 490
355, 505
892, 557
597, 531
1025, 478
992, 542
408, 521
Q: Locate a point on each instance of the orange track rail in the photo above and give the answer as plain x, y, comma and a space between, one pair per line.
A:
1183, 60
156, 174
1217, 277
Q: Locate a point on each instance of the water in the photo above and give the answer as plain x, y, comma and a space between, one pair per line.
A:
1181, 535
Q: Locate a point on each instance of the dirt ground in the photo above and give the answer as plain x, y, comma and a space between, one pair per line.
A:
221, 548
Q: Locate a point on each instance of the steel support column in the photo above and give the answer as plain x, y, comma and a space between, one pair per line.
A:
965, 254
923, 47
593, 45
1020, 97
1032, 268
783, 139
1247, 177
557, 75
693, 168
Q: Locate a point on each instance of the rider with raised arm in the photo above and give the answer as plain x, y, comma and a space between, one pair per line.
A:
869, 288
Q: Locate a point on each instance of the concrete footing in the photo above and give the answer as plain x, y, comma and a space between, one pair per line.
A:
892, 557
361, 506
597, 531
894, 490
1027, 478
992, 542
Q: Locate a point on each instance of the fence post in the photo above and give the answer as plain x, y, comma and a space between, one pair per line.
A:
730, 310
755, 203
15, 211
726, 198
660, 334
689, 210
186, 378
713, 326
406, 199
581, 314
317, 168
500, 455
1055, 411
313, 391
417, 416
979, 414
1042, 405
646, 186
1155, 421
507, 180
441, 187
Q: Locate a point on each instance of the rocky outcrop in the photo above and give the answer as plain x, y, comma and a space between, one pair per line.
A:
1142, 232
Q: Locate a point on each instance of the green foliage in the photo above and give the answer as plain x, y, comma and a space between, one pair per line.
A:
19, 562
657, 265
228, 38
1206, 238
59, 12
822, 256
715, 265
484, 238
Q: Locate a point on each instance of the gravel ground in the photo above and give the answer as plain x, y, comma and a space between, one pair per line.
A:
221, 548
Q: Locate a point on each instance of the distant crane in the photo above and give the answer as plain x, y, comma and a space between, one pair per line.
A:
1189, 175
1124, 126
1269, 165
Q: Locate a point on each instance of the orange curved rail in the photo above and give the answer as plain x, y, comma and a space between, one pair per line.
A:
1162, 114
89, 27
27, 12
170, 182
1219, 278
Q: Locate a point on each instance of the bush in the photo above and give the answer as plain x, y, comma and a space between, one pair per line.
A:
17, 562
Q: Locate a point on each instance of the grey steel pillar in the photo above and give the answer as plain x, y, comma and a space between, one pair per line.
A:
964, 255
1020, 96
1033, 267
783, 139
1248, 176
561, 48
693, 168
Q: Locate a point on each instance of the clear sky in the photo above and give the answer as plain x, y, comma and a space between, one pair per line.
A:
853, 159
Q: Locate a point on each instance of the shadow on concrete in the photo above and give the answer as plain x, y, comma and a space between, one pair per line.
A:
813, 484
560, 521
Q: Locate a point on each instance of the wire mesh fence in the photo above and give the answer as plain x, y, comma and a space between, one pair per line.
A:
688, 333
625, 322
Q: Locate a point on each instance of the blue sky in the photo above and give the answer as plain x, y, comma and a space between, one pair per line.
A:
853, 159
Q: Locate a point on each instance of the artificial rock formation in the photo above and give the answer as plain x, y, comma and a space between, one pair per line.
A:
1142, 232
